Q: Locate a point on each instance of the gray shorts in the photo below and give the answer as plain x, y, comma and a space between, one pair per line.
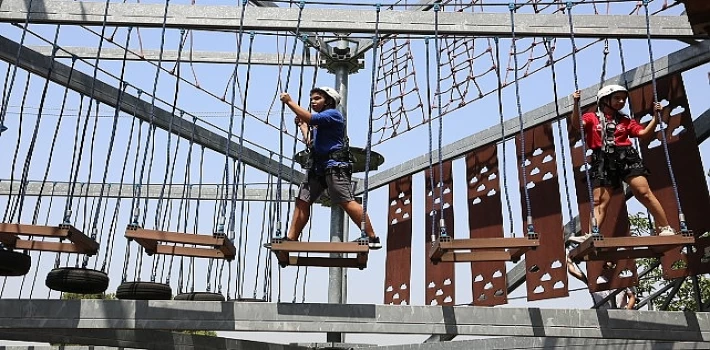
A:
336, 180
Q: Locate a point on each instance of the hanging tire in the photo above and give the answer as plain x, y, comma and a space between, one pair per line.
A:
14, 263
144, 291
200, 296
77, 280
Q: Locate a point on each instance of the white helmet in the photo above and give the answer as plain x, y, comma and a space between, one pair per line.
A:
610, 90
331, 92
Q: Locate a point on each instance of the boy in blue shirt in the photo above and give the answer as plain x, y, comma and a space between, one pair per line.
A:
330, 162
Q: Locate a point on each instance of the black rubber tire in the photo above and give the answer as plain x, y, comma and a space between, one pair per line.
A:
14, 263
144, 291
200, 296
77, 280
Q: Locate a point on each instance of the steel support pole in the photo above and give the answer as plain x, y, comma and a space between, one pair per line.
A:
337, 275
697, 292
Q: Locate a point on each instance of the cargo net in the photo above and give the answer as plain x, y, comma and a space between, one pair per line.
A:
467, 64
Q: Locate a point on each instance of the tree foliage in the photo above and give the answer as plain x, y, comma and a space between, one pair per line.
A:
685, 299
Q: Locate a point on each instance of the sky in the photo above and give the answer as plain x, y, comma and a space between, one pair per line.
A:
262, 134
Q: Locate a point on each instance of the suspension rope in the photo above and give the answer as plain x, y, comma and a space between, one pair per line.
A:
301, 79
136, 209
46, 222
134, 187
503, 170
301, 5
523, 156
239, 165
92, 90
637, 144
368, 147
262, 235
117, 112
604, 59
187, 188
170, 164
235, 72
549, 48
442, 222
11, 204
304, 54
592, 218
9, 84
431, 142
657, 114
35, 133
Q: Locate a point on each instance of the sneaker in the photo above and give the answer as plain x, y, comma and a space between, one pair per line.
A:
579, 239
666, 231
372, 242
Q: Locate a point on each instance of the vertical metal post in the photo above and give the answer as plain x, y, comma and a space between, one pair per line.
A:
698, 294
337, 275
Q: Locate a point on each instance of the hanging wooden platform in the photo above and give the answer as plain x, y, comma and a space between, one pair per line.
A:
618, 248
283, 249
154, 242
447, 249
10, 236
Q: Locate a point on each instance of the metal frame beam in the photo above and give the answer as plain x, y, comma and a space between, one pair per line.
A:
152, 191
679, 61
265, 59
39, 64
381, 319
210, 17
539, 343
139, 339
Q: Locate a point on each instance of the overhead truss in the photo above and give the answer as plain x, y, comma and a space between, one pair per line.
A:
211, 17
679, 61
39, 64
264, 59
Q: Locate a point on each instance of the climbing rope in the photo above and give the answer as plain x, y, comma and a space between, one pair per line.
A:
593, 219
664, 141
637, 145
282, 123
549, 49
368, 147
304, 54
431, 137
442, 222
502, 169
523, 156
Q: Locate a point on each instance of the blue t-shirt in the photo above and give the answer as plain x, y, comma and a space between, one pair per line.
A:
327, 137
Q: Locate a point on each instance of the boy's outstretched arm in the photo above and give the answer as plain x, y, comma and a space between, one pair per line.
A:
301, 112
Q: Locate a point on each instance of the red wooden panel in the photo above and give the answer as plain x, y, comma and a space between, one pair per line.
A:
616, 224
398, 263
687, 168
546, 272
485, 220
439, 279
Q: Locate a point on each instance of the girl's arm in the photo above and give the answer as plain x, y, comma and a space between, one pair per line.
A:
649, 129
